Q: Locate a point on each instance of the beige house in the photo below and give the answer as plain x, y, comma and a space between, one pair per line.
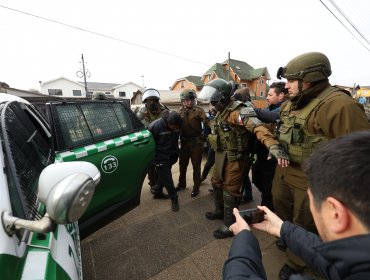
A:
192, 82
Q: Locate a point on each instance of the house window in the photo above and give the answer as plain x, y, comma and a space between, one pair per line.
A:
261, 94
122, 94
107, 92
55, 91
77, 92
244, 85
182, 85
261, 82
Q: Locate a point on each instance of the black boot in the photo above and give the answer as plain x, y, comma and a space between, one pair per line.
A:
175, 204
161, 195
218, 214
204, 176
180, 187
153, 188
205, 172
230, 203
195, 191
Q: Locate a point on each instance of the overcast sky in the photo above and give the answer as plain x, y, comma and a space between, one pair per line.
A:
166, 40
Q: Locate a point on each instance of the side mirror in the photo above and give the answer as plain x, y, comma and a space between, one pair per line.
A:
67, 188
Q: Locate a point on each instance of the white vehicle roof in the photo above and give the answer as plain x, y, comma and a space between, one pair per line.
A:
4, 97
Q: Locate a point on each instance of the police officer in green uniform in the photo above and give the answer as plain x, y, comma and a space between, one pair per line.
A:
192, 139
315, 112
152, 111
230, 137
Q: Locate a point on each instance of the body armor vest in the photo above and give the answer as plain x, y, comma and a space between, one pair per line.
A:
293, 131
228, 137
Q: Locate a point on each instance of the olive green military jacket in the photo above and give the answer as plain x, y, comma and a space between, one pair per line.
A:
336, 115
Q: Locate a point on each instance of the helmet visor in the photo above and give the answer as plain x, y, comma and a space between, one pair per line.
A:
206, 93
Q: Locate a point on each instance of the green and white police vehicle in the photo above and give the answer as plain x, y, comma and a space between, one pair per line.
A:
63, 177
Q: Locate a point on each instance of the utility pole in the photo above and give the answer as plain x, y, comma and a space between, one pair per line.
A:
84, 73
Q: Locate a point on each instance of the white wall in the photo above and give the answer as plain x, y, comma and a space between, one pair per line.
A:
66, 86
129, 88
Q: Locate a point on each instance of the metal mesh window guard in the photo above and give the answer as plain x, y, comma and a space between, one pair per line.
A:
77, 124
28, 152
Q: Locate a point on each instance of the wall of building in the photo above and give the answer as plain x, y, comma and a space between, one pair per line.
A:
259, 88
66, 86
129, 90
183, 84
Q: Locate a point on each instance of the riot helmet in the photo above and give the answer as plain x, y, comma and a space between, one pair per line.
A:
150, 93
98, 96
308, 67
219, 92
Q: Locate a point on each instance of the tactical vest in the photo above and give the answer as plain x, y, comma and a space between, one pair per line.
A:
228, 137
293, 132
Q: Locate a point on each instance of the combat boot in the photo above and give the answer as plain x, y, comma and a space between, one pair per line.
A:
175, 204
204, 174
180, 187
153, 188
160, 195
230, 203
218, 214
195, 191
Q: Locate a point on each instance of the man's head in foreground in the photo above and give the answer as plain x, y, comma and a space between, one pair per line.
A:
339, 186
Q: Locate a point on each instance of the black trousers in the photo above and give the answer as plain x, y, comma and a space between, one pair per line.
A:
263, 172
164, 177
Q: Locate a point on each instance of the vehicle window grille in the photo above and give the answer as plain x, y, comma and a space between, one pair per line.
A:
76, 124
28, 152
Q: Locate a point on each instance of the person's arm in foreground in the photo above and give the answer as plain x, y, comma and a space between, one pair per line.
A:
300, 241
267, 116
245, 260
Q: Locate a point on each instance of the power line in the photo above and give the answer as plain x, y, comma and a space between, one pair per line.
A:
366, 47
105, 36
348, 20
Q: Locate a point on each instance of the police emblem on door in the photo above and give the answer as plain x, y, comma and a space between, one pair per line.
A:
109, 164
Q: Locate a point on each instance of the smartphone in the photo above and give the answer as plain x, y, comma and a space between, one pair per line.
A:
252, 216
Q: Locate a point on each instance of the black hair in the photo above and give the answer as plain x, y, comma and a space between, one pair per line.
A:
279, 87
340, 168
172, 117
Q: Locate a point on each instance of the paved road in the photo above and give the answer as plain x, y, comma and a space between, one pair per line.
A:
152, 242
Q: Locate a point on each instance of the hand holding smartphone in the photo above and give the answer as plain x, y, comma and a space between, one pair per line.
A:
252, 216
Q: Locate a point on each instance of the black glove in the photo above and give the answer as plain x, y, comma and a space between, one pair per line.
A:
277, 151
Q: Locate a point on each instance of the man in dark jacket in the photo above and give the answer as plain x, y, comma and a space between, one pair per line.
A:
339, 206
166, 132
263, 170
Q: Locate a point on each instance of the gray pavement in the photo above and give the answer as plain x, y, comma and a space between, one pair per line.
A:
152, 242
